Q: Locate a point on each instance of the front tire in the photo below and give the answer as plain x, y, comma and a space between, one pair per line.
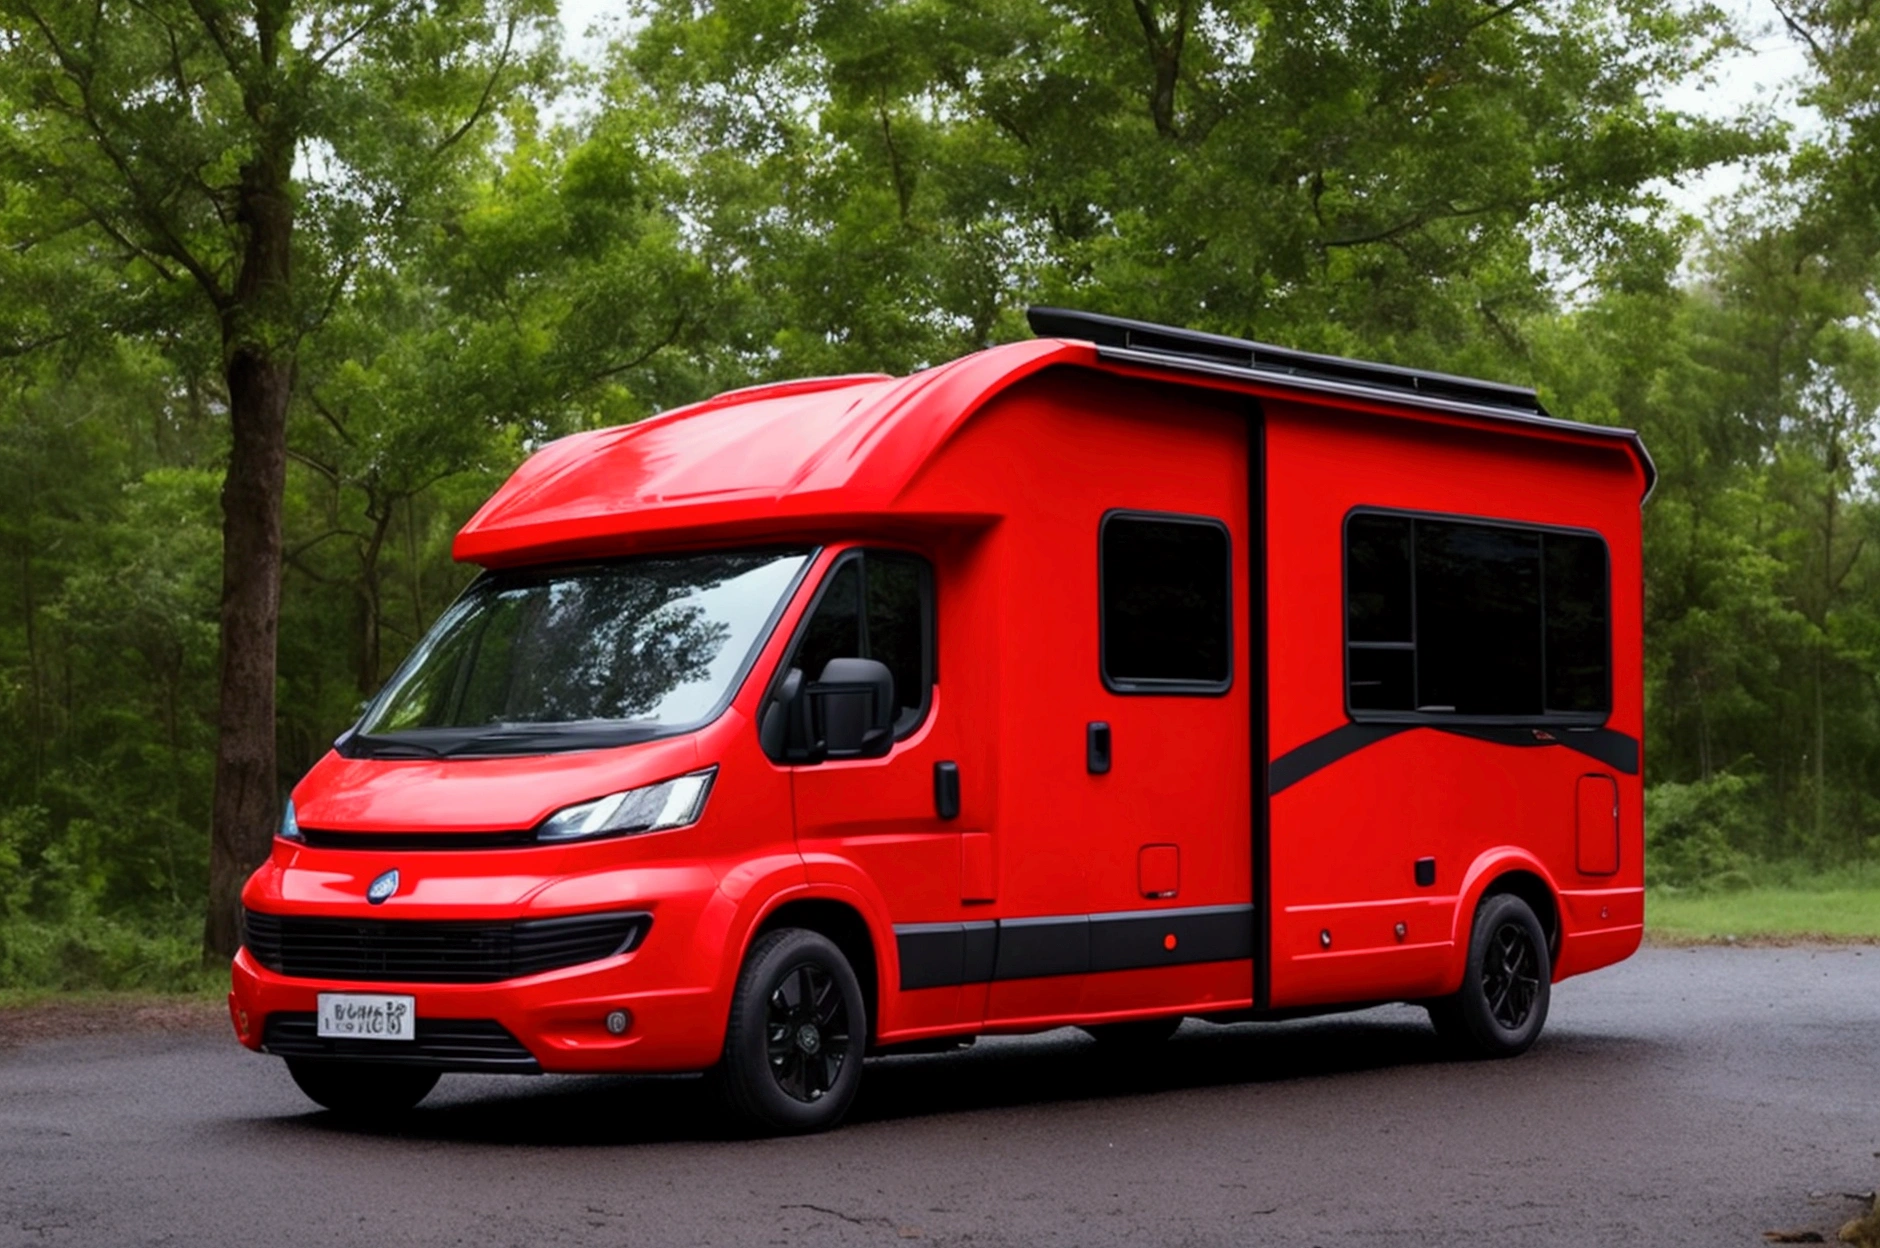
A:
1502, 1005
363, 1091
793, 1045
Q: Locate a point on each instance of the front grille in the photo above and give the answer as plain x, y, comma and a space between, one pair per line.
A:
418, 951
441, 1044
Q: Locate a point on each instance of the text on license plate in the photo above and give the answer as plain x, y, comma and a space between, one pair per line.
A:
367, 1016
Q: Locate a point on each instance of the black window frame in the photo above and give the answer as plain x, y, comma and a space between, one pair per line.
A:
1547, 718
1136, 686
929, 632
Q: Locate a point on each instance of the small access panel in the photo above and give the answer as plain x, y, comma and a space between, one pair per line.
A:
1596, 808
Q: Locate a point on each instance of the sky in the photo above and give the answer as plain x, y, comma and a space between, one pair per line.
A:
1763, 76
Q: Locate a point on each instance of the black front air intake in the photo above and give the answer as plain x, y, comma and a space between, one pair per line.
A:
441, 1044
418, 951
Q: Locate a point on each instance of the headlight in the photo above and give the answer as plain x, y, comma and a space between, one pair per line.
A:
654, 808
290, 826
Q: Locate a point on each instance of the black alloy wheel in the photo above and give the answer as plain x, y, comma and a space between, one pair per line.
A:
807, 1033
1511, 975
1502, 1005
793, 1044
362, 1091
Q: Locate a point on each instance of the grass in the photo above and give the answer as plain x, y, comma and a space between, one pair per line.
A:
1785, 903
210, 990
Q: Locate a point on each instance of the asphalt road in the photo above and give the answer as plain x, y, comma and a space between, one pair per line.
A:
1688, 1097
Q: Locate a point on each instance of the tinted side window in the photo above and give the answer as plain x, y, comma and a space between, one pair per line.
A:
1573, 572
1164, 612
1446, 617
897, 626
877, 605
835, 631
1478, 593
1378, 606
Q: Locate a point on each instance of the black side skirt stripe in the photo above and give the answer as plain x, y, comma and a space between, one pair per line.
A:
939, 955
1615, 749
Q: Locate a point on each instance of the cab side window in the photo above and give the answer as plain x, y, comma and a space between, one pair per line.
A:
835, 629
875, 604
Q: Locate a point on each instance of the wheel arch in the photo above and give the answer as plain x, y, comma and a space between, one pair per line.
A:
1513, 872
1539, 896
844, 926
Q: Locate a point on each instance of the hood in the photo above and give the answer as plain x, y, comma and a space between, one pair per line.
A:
476, 794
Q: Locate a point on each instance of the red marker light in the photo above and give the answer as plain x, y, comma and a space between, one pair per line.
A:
1168, 941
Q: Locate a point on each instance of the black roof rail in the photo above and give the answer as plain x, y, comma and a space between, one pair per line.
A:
1259, 357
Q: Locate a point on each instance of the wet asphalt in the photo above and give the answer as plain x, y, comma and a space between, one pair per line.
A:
1699, 1097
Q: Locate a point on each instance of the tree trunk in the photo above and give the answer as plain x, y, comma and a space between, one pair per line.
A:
242, 818
371, 594
257, 337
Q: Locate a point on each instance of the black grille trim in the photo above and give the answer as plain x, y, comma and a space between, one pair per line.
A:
398, 842
421, 951
475, 1044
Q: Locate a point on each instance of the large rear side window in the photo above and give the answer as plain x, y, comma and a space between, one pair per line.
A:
1458, 618
583, 656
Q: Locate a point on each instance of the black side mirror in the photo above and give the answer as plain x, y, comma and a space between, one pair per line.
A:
851, 709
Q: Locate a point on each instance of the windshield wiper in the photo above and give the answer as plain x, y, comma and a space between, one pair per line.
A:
494, 739
362, 745
524, 739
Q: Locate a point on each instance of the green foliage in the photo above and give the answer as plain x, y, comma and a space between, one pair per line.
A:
894, 178
58, 926
1693, 833
491, 250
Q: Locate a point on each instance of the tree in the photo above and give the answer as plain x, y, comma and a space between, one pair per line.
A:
233, 164
896, 177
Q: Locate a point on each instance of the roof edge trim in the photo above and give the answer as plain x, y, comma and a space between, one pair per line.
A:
1264, 358
1313, 384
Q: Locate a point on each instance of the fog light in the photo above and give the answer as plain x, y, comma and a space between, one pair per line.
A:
618, 1022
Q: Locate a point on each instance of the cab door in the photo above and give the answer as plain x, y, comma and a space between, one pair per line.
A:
889, 827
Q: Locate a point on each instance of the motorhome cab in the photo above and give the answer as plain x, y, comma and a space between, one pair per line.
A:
1105, 679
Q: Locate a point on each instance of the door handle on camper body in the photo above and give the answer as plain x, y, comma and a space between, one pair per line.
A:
1097, 748
946, 790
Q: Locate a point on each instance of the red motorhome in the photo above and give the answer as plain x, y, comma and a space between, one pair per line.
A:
1120, 676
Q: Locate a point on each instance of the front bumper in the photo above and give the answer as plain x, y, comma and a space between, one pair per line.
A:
670, 981
558, 1020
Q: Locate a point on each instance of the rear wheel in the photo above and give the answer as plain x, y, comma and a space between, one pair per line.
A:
362, 1090
1502, 1005
793, 1045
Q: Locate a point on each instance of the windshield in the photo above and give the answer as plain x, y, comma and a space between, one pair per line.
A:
534, 660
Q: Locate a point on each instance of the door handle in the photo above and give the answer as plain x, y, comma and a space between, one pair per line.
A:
1097, 748
946, 790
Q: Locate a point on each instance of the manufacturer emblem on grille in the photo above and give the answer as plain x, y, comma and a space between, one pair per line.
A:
383, 887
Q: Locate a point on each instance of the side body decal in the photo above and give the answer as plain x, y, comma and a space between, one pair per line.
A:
1607, 745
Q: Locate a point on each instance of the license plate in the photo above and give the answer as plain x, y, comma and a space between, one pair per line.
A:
367, 1016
